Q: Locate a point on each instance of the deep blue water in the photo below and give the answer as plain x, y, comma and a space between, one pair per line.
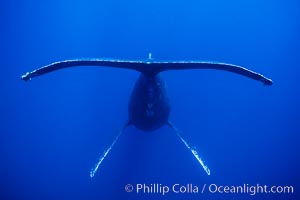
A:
54, 128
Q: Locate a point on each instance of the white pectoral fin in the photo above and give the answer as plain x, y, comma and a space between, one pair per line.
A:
191, 148
105, 153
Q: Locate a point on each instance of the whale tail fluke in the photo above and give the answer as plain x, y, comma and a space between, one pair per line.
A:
149, 67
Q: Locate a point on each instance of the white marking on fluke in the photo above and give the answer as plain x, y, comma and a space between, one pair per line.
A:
150, 56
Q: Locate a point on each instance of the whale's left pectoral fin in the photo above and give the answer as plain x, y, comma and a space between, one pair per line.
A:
105, 153
191, 148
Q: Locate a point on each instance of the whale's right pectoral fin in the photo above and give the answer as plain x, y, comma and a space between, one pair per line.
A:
192, 149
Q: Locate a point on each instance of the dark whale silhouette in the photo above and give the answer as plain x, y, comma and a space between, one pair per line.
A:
149, 107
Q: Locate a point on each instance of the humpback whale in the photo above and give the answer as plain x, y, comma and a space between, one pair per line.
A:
149, 107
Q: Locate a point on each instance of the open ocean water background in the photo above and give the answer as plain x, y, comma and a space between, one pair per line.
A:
54, 128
